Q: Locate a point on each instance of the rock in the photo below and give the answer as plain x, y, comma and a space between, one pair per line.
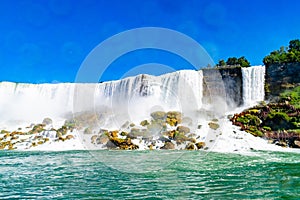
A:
144, 123
124, 144
168, 145
93, 139
297, 143
132, 125
103, 139
200, 145
87, 131
4, 132
170, 134
180, 138
110, 145
155, 128
150, 147
213, 125
58, 134
173, 118
47, 121
158, 115
63, 130
193, 140
40, 142
37, 129
114, 134
123, 133
191, 146
183, 129
163, 139
69, 137
199, 126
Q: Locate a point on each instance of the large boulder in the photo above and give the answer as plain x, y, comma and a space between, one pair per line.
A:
174, 118
158, 115
183, 129
191, 146
47, 121
200, 145
168, 145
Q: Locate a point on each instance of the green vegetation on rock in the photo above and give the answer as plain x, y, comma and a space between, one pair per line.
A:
233, 61
290, 54
278, 122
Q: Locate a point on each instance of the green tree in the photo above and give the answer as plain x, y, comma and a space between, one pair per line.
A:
243, 62
221, 63
232, 61
284, 55
294, 45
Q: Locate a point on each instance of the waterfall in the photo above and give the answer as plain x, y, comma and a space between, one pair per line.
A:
253, 79
132, 98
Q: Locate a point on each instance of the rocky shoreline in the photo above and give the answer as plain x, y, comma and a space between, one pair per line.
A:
278, 122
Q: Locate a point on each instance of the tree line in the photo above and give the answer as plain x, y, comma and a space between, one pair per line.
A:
289, 54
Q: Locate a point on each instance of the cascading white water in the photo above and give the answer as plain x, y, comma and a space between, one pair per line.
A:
132, 98
253, 84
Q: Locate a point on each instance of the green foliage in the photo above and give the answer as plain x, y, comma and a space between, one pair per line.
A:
249, 119
293, 96
254, 131
233, 61
242, 61
278, 121
221, 63
288, 55
267, 128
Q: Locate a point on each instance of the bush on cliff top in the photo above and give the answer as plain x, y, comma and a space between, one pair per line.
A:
290, 54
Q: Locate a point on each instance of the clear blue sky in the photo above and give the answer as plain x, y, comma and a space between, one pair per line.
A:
47, 40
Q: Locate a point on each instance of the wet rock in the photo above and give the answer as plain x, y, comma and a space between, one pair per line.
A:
93, 139
114, 134
37, 129
170, 134
124, 144
47, 121
297, 143
144, 123
183, 129
123, 133
158, 115
174, 118
213, 125
87, 131
163, 139
168, 145
180, 138
200, 145
103, 139
191, 146
69, 137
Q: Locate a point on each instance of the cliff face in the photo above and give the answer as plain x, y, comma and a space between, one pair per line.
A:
280, 77
225, 83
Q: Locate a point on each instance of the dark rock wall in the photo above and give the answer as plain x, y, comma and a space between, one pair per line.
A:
225, 83
280, 77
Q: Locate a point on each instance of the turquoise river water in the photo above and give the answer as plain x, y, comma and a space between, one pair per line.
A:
192, 175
